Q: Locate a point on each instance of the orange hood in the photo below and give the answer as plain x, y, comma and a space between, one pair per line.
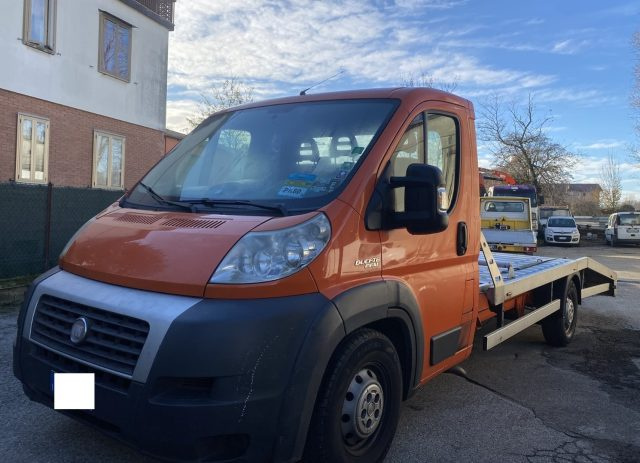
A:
169, 252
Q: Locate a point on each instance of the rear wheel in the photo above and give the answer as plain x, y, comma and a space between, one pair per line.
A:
558, 328
358, 406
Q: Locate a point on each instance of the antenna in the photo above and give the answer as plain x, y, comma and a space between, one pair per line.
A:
304, 92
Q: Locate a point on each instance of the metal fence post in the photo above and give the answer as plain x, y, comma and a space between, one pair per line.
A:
47, 226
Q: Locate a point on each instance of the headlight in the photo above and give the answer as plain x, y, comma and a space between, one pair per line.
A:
268, 256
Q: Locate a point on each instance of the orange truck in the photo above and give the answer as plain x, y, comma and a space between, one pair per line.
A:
276, 285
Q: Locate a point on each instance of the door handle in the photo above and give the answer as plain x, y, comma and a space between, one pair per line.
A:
462, 239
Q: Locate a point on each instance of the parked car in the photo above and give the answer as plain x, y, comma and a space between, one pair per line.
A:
550, 211
562, 230
623, 227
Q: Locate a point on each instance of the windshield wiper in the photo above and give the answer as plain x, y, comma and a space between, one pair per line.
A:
237, 202
187, 206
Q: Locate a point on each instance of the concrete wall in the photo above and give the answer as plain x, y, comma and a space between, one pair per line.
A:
70, 76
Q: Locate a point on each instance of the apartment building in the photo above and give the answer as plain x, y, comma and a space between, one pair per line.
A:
83, 90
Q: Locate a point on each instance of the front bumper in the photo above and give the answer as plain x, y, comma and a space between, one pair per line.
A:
214, 379
562, 239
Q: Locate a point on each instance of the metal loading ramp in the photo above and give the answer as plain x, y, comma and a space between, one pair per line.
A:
504, 276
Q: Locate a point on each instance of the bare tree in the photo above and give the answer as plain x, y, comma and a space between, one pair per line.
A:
232, 92
520, 145
611, 183
427, 80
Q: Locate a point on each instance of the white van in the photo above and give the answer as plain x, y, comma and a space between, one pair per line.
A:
623, 227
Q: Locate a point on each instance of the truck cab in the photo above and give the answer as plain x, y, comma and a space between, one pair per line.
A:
507, 224
290, 272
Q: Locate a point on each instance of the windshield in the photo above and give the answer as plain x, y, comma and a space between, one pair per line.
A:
546, 213
518, 192
561, 223
504, 206
296, 156
629, 219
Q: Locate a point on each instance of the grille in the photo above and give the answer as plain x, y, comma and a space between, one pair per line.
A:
193, 223
113, 342
65, 365
138, 218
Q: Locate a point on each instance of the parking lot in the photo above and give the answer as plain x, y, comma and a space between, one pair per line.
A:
520, 402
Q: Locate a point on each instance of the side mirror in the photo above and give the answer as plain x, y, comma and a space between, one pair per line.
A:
425, 200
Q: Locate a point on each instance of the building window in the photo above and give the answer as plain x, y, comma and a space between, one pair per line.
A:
108, 161
39, 24
115, 47
32, 151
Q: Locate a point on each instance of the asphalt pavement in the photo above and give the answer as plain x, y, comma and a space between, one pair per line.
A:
523, 401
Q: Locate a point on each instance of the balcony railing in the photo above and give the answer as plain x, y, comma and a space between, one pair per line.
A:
163, 8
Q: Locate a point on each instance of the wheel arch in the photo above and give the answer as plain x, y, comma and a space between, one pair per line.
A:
387, 306
391, 308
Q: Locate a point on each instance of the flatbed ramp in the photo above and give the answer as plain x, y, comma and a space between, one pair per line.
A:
504, 276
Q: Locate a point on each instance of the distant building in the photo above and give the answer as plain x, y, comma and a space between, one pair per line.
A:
575, 195
583, 192
83, 90
171, 139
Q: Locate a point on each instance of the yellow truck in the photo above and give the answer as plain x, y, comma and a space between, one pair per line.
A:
507, 224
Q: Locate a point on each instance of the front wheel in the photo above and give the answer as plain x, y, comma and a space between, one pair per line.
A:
358, 406
559, 327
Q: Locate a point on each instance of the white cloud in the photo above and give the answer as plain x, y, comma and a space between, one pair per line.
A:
177, 113
569, 46
601, 144
305, 41
583, 97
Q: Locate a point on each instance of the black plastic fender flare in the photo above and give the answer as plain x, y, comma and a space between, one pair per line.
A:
352, 309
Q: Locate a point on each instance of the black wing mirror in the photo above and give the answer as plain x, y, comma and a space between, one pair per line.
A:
425, 200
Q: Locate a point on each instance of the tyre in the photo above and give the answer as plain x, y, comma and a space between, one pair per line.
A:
358, 405
558, 328
613, 241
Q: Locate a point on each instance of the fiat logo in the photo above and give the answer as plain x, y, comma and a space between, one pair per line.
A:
79, 330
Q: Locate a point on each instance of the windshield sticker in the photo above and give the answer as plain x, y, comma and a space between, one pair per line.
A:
297, 185
300, 179
292, 191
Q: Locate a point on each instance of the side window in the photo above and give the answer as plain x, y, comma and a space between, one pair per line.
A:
441, 150
410, 150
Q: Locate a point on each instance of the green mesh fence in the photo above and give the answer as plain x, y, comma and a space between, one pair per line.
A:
23, 223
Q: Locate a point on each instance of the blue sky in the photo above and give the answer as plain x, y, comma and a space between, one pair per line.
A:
574, 57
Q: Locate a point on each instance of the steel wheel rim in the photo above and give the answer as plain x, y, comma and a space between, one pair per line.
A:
362, 409
569, 315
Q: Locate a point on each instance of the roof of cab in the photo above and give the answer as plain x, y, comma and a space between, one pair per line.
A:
408, 94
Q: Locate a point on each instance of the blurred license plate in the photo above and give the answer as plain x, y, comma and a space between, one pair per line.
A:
562, 238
